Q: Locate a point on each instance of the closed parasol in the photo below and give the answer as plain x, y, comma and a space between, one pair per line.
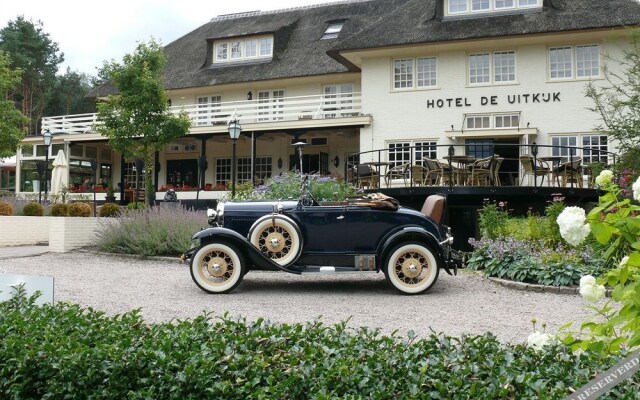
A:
60, 174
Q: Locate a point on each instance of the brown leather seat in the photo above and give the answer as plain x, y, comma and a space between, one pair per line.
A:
433, 207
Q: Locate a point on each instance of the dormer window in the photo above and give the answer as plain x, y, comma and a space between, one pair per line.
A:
333, 30
464, 7
246, 49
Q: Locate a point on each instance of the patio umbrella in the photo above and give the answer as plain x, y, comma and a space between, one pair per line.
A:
60, 174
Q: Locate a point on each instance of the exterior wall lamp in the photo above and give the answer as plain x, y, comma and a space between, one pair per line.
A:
234, 133
249, 96
336, 161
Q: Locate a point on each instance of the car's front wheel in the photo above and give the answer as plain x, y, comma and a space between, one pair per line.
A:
217, 267
412, 268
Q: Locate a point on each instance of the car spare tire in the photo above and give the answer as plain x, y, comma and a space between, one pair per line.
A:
278, 238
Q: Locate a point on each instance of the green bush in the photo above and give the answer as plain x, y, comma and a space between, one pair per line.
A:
153, 231
136, 206
65, 351
6, 193
59, 210
33, 210
287, 186
79, 210
492, 219
6, 208
109, 210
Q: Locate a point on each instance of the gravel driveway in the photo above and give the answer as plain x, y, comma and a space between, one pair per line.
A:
465, 304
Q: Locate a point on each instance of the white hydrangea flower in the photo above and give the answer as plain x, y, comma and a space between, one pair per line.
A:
537, 340
636, 189
587, 280
572, 225
604, 178
624, 261
593, 293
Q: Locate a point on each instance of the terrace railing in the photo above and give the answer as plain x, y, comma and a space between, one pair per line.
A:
272, 110
452, 165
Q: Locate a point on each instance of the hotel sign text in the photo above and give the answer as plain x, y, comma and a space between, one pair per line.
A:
527, 98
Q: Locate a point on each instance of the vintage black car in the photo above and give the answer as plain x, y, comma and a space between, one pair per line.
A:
300, 237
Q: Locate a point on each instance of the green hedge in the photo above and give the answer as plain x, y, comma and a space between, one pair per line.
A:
65, 351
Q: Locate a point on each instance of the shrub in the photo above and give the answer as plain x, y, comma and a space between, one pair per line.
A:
6, 208
65, 351
6, 193
59, 210
33, 210
493, 218
533, 262
109, 210
136, 206
79, 210
153, 231
287, 186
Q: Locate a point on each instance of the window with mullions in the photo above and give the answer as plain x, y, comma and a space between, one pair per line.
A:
502, 63
223, 171
270, 105
425, 150
595, 149
263, 169
492, 121
208, 108
564, 146
130, 176
399, 153
243, 49
587, 64
456, 7
410, 73
479, 148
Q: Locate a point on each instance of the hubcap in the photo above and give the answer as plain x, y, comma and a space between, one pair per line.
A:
275, 242
411, 268
217, 266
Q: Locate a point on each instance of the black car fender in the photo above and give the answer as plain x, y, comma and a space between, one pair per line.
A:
219, 234
409, 233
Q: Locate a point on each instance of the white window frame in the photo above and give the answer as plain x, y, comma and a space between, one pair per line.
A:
337, 97
572, 51
465, 7
490, 121
333, 30
235, 50
270, 105
578, 140
207, 107
489, 77
412, 75
404, 151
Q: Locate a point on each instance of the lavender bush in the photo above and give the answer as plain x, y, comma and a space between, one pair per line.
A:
287, 186
153, 231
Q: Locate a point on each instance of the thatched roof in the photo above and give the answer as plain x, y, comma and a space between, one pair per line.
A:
423, 21
299, 51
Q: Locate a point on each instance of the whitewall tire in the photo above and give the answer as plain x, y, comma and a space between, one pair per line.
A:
217, 268
277, 237
412, 268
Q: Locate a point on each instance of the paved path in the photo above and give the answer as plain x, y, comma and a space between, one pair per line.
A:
466, 304
22, 251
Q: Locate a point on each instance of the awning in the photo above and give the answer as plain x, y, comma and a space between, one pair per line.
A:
492, 133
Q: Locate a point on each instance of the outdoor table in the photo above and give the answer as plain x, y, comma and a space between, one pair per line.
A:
462, 161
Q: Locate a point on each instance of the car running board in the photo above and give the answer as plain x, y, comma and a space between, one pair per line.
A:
313, 269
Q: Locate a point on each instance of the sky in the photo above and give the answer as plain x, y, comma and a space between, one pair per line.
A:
89, 32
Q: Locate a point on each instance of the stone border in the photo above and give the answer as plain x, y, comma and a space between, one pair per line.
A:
530, 287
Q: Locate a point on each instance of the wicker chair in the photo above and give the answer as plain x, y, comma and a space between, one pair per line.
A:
400, 171
569, 172
541, 169
367, 176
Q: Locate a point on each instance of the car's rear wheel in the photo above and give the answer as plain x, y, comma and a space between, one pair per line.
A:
217, 267
412, 268
277, 237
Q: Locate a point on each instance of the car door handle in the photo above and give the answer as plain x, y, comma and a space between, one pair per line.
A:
340, 217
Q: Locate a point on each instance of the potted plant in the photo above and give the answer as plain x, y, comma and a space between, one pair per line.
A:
111, 197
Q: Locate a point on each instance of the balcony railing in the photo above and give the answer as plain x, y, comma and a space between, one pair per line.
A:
301, 108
